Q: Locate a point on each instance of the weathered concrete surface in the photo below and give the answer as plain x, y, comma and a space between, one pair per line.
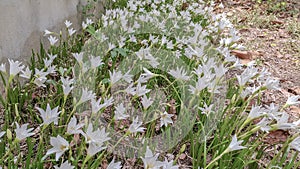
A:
22, 23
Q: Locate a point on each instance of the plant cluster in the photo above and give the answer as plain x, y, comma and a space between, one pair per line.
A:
149, 77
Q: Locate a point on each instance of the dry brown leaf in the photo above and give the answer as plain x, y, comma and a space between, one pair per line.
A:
277, 136
295, 90
182, 156
242, 54
295, 110
279, 22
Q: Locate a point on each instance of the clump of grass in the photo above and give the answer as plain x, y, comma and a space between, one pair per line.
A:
150, 77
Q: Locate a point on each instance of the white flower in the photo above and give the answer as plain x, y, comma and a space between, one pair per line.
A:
22, 132
26, 74
120, 112
52, 40
15, 67
40, 81
169, 165
136, 126
48, 62
94, 148
3, 67
73, 127
86, 96
68, 23
295, 144
114, 165
179, 74
206, 109
78, 57
71, 31
165, 119
95, 61
148, 74
108, 102
256, 111
293, 100
272, 84
98, 137
2, 134
115, 76
146, 102
282, 122
150, 160
141, 90
264, 125
127, 77
60, 145
200, 85
96, 105
64, 165
66, 85
87, 23
235, 144
49, 115
47, 32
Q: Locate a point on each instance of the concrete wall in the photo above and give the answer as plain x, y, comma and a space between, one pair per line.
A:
22, 23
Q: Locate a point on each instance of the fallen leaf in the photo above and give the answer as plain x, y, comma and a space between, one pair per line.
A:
295, 90
278, 22
182, 156
295, 110
277, 136
242, 54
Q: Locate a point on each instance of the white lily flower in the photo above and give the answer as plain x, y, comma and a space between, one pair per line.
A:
68, 23
22, 132
65, 165
146, 102
71, 31
3, 67
179, 74
150, 161
50, 115
141, 90
86, 95
78, 57
206, 109
52, 40
165, 119
94, 149
98, 137
95, 61
73, 127
66, 85
293, 100
60, 145
26, 73
47, 32
169, 165
235, 144
136, 126
115, 76
255, 112
127, 77
15, 67
295, 144
114, 165
200, 85
120, 112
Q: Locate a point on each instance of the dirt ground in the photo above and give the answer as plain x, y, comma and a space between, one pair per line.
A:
271, 29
